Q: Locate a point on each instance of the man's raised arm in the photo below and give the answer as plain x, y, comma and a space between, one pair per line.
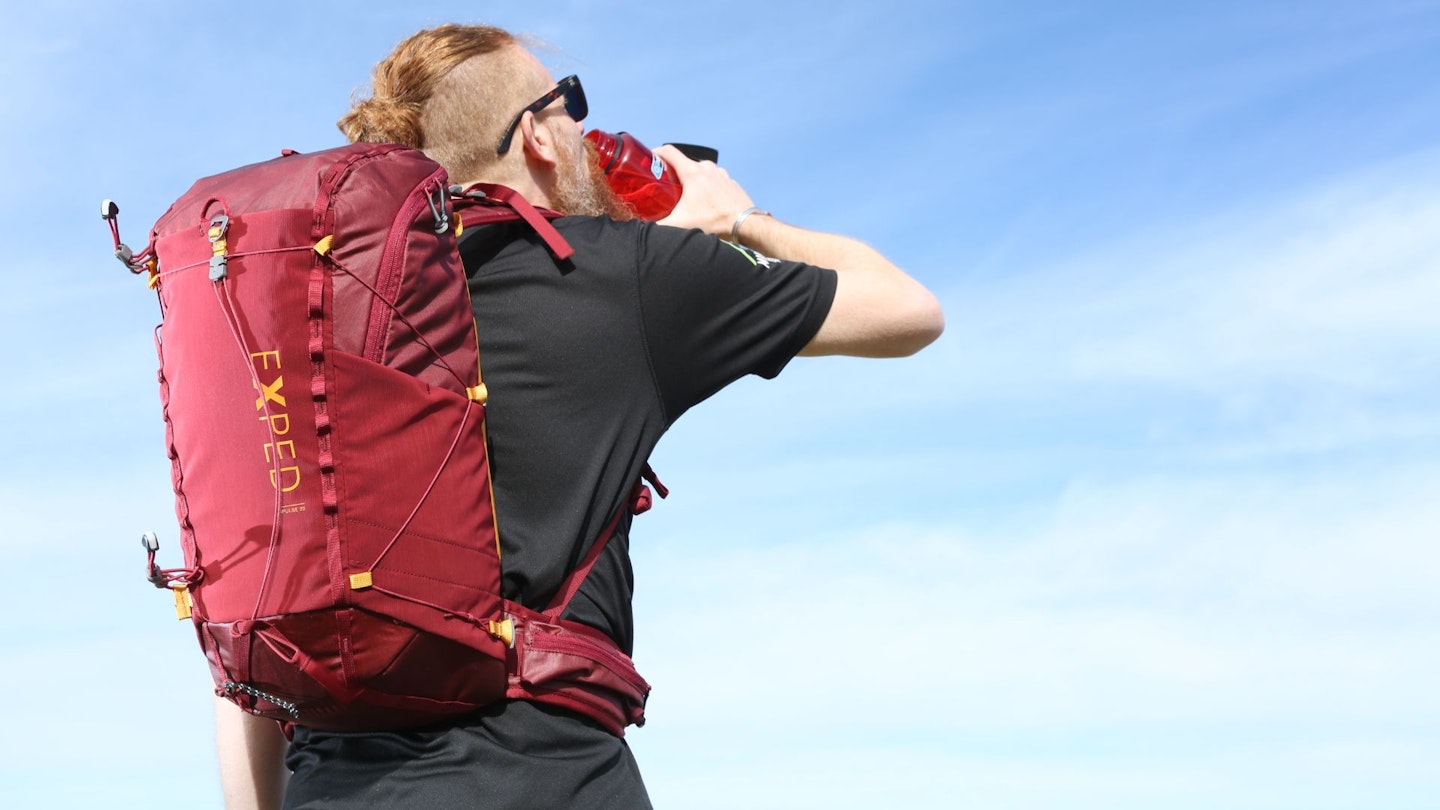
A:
878, 311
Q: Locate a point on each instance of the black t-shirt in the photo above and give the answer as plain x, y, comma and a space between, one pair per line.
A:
590, 361
587, 362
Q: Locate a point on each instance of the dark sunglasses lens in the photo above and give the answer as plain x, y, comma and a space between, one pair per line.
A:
575, 105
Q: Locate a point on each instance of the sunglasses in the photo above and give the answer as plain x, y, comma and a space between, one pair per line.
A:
575, 107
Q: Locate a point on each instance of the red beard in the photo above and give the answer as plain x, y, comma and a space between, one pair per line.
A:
580, 187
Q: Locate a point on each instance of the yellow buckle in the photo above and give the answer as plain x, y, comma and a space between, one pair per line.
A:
184, 605
503, 630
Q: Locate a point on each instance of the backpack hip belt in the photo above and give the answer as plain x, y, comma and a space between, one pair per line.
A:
571, 665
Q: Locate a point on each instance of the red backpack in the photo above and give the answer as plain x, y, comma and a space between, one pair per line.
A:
325, 419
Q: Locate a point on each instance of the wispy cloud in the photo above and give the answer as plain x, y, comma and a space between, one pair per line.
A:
1336, 287
1119, 636
1236, 566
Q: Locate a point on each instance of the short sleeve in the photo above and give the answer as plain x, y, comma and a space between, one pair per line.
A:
714, 312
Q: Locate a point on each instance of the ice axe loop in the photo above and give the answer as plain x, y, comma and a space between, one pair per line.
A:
144, 262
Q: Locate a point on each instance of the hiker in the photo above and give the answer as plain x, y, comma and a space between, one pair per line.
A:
588, 362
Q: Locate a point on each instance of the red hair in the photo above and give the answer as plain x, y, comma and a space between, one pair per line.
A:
449, 90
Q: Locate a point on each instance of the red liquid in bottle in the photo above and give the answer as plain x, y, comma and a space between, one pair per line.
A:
637, 175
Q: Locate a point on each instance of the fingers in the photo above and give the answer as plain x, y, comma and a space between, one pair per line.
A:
686, 168
709, 199
671, 155
675, 158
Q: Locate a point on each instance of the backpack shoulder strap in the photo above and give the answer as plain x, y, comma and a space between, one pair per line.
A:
490, 201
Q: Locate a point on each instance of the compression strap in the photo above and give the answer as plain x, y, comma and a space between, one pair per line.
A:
640, 500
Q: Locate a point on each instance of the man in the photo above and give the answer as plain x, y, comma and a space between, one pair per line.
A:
587, 365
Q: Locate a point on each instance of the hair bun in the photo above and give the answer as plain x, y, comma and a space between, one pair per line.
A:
382, 120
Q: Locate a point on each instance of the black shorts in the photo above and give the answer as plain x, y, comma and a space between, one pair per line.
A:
512, 755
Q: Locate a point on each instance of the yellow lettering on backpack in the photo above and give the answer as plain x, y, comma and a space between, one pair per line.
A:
294, 481
285, 479
270, 393
279, 450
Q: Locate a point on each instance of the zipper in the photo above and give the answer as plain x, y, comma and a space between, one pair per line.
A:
231, 687
392, 259
612, 661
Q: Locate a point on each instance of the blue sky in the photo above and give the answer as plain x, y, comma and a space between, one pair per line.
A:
1153, 525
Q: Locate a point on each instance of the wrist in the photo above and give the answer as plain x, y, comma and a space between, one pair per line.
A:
740, 219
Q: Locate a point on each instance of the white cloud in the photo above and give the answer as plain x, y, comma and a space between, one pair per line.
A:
1295, 618
1337, 287
896, 776
118, 721
1161, 586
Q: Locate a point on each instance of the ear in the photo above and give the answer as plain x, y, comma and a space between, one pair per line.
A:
538, 141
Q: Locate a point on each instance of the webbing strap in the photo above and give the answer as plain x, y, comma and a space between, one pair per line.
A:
532, 216
639, 502
572, 583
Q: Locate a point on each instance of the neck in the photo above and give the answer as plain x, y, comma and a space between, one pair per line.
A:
531, 185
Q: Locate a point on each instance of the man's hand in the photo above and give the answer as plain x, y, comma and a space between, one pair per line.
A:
710, 200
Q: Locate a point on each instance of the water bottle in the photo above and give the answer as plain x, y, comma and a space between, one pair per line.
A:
638, 176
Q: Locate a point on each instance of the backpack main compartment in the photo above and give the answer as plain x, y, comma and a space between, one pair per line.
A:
324, 415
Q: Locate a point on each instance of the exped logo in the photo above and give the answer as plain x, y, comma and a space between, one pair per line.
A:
270, 384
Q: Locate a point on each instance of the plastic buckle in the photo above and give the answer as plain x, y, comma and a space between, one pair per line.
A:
503, 630
218, 226
218, 247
